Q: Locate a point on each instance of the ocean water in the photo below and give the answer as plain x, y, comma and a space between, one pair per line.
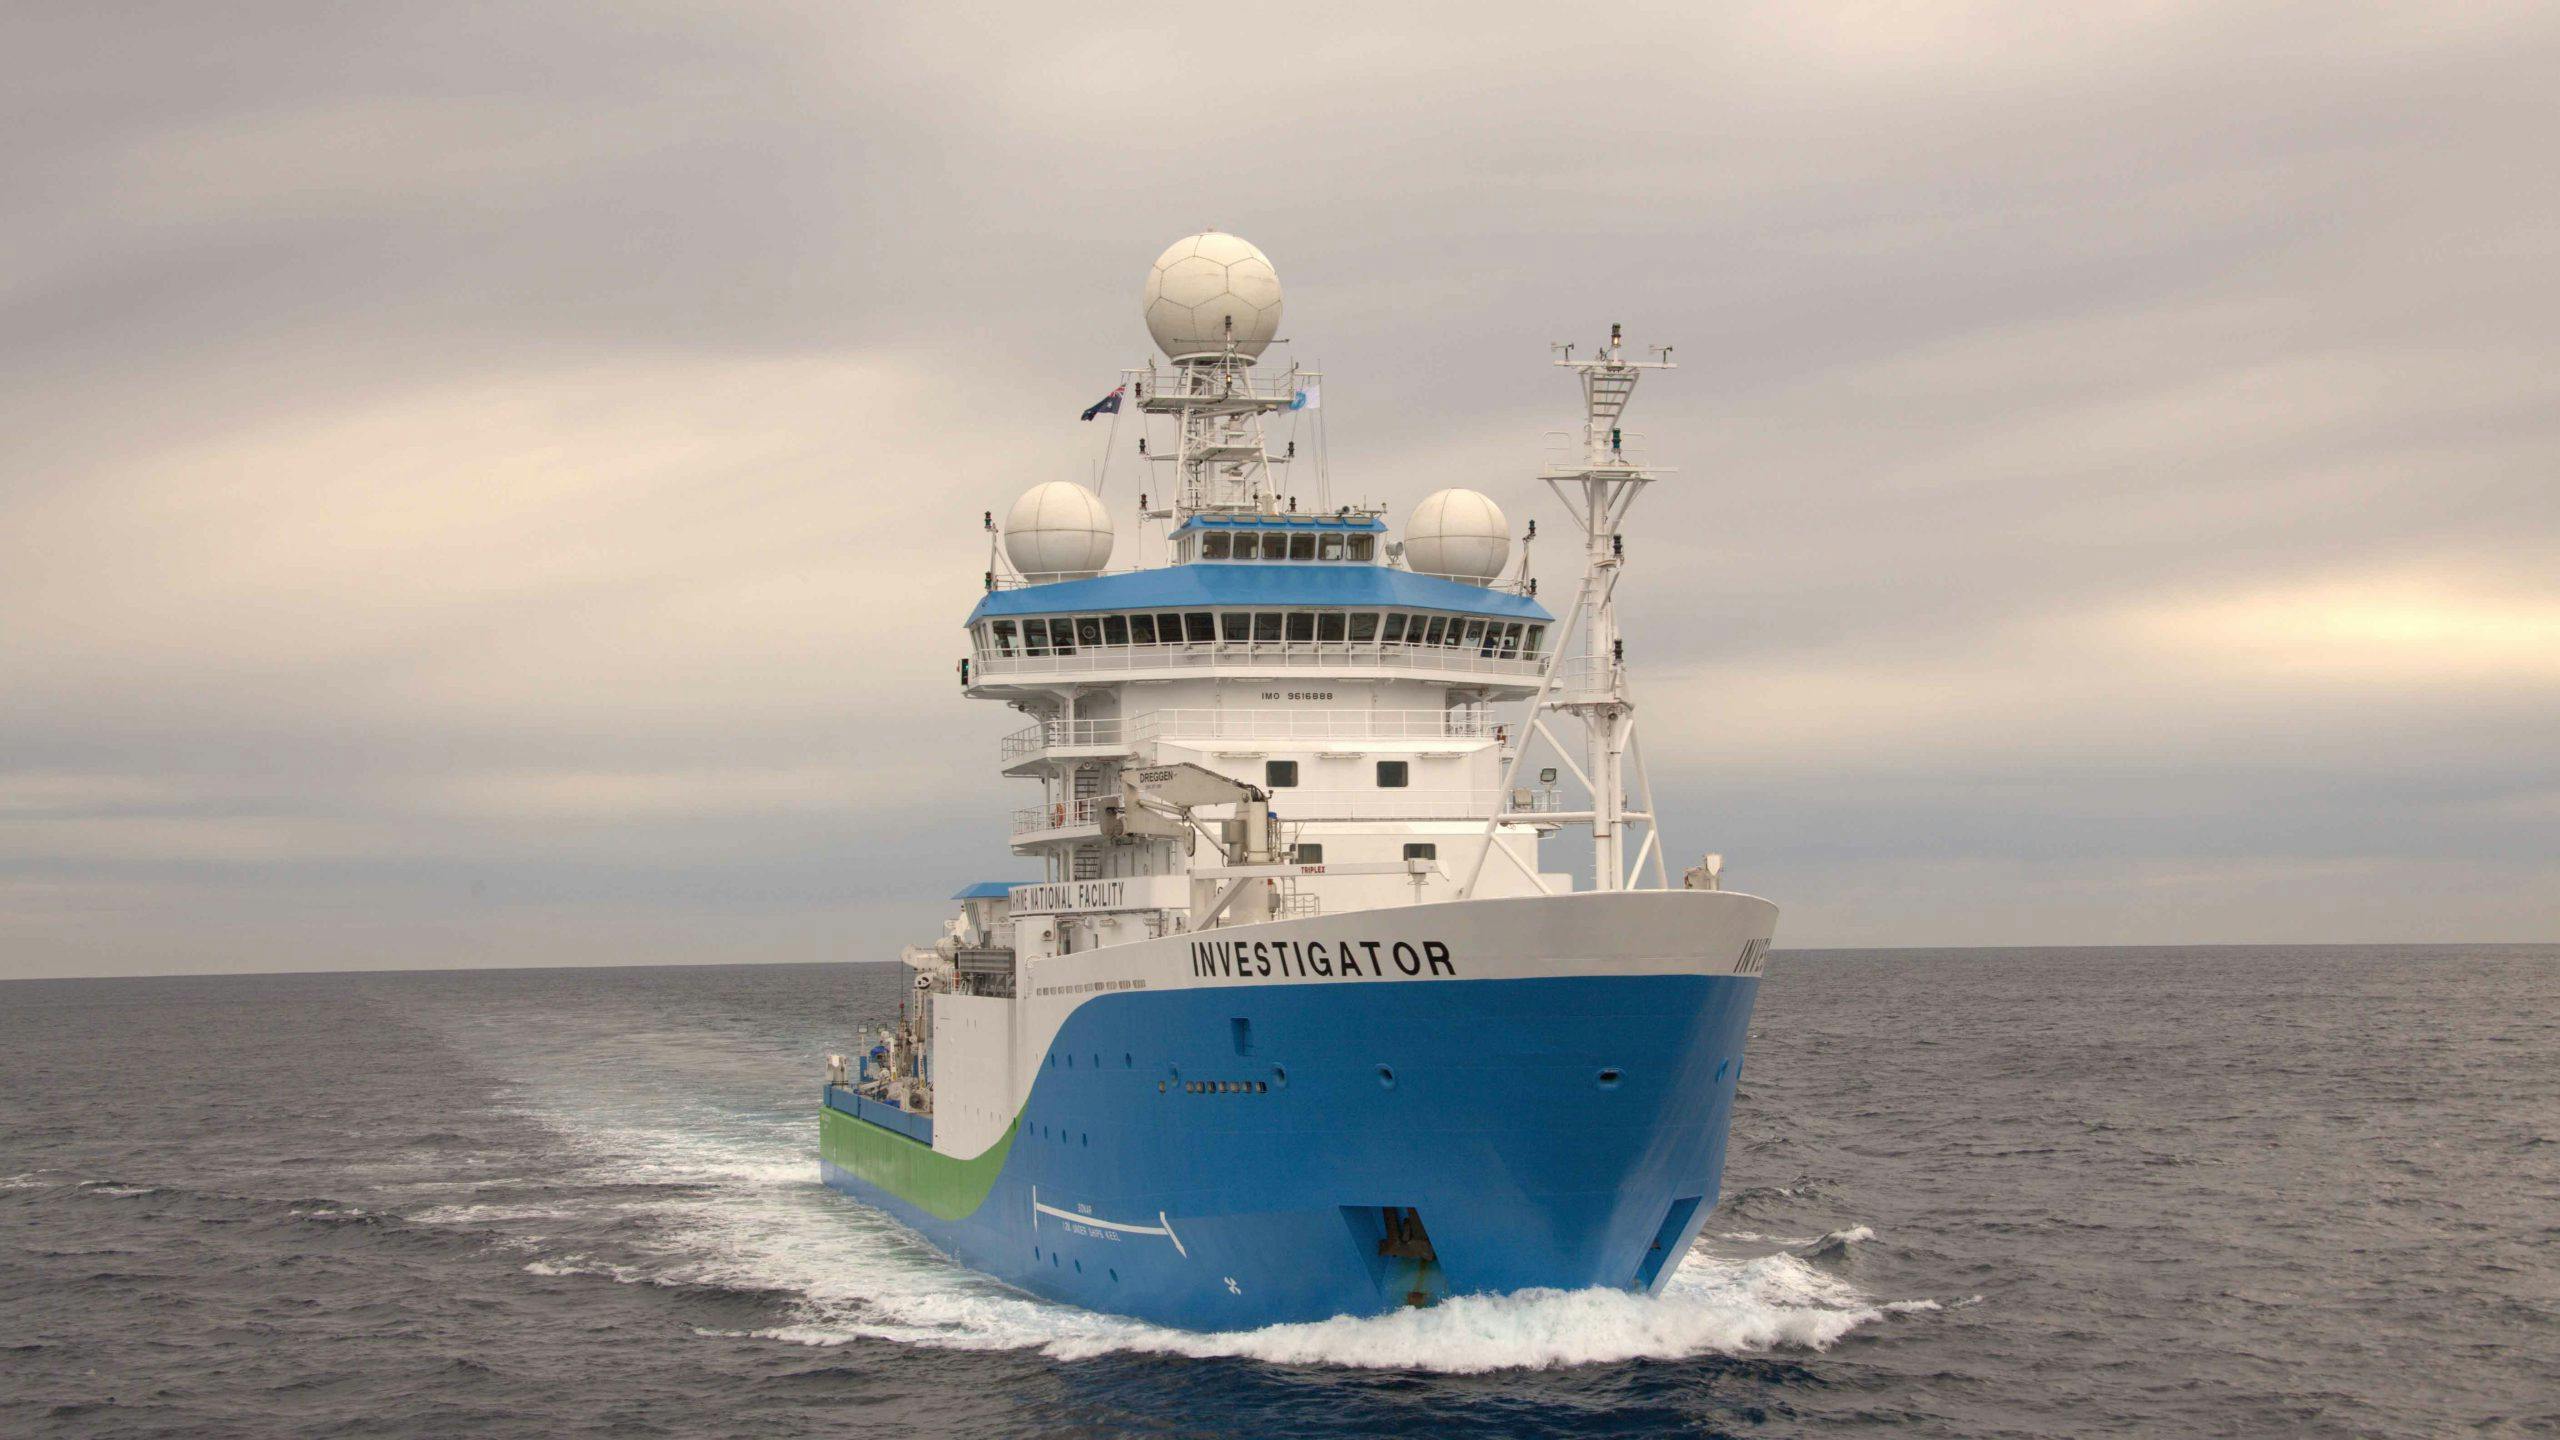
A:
1971, 1193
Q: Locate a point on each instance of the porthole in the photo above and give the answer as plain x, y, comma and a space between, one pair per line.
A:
1387, 1077
1609, 1078
1279, 1075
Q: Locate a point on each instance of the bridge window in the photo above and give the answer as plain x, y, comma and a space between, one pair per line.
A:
1394, 774
1537, 635
1439, 624
1279, 774
1266, 627
1510, 639
1302, 547
1302, 623
1275, 546
1142, 629
1424, 851
1364, 627
1004, 637
1200, 627
1234, 626
1329, 627
1309, 855
1395, 627
1475, 633
1329, 547
1088, 630
1115, 629
1035, 637
1363, 547
1213, 546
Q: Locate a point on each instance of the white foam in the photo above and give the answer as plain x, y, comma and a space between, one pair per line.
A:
1854, 1235
116, 1192
489, 1214
742, 1208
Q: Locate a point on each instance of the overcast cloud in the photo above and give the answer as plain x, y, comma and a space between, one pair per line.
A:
499, 485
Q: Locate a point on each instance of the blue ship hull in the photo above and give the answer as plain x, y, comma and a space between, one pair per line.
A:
1226, 1159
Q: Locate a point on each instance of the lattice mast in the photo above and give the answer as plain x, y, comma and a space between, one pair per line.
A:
1591, 683
1600, 491
1222, 460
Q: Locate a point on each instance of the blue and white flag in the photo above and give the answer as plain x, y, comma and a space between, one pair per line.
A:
1306, 398
1107, 405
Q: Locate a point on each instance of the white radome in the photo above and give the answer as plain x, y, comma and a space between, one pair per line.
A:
1200, 283
1058, 531
1458, 533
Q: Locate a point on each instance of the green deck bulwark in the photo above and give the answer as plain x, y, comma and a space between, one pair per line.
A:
942, 1186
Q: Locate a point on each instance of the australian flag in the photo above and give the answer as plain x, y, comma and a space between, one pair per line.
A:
1107, 405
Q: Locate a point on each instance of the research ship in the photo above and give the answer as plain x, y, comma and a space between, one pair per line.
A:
1285, 1016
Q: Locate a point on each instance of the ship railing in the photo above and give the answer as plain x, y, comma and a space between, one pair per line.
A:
1060, 815
1296, 806
1259, 658
1326, 723
1061, 734
1586, 675
1210, 384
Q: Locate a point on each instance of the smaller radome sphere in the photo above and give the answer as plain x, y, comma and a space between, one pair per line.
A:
1200, 283
1058, 531
1458, 533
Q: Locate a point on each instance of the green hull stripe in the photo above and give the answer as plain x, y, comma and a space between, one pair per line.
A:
940, 1185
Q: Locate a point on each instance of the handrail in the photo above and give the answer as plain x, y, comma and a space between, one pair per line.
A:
1057, 816
1200, 723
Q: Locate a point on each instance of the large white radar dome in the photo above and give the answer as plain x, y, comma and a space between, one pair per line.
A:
1058, 531
1458, 533
1201, 283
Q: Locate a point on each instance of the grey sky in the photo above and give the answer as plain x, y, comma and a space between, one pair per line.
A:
500, 484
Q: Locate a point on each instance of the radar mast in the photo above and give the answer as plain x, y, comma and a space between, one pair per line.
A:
1590, 683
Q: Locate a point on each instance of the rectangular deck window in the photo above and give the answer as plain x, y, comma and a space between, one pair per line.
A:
1213, 546
1395, 627
1266, 627
1302, 623
1329, 627
1537, 636
1394, 774
1142, 629
1275, 546
1439, 626
1235, 626
1115, 629
1279, 774
1330, 548
1364, 627
1364, 547
1302, 547
1004, 637
1088, 630
1475, 635
1424, 851
1309, 854
1035, 637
